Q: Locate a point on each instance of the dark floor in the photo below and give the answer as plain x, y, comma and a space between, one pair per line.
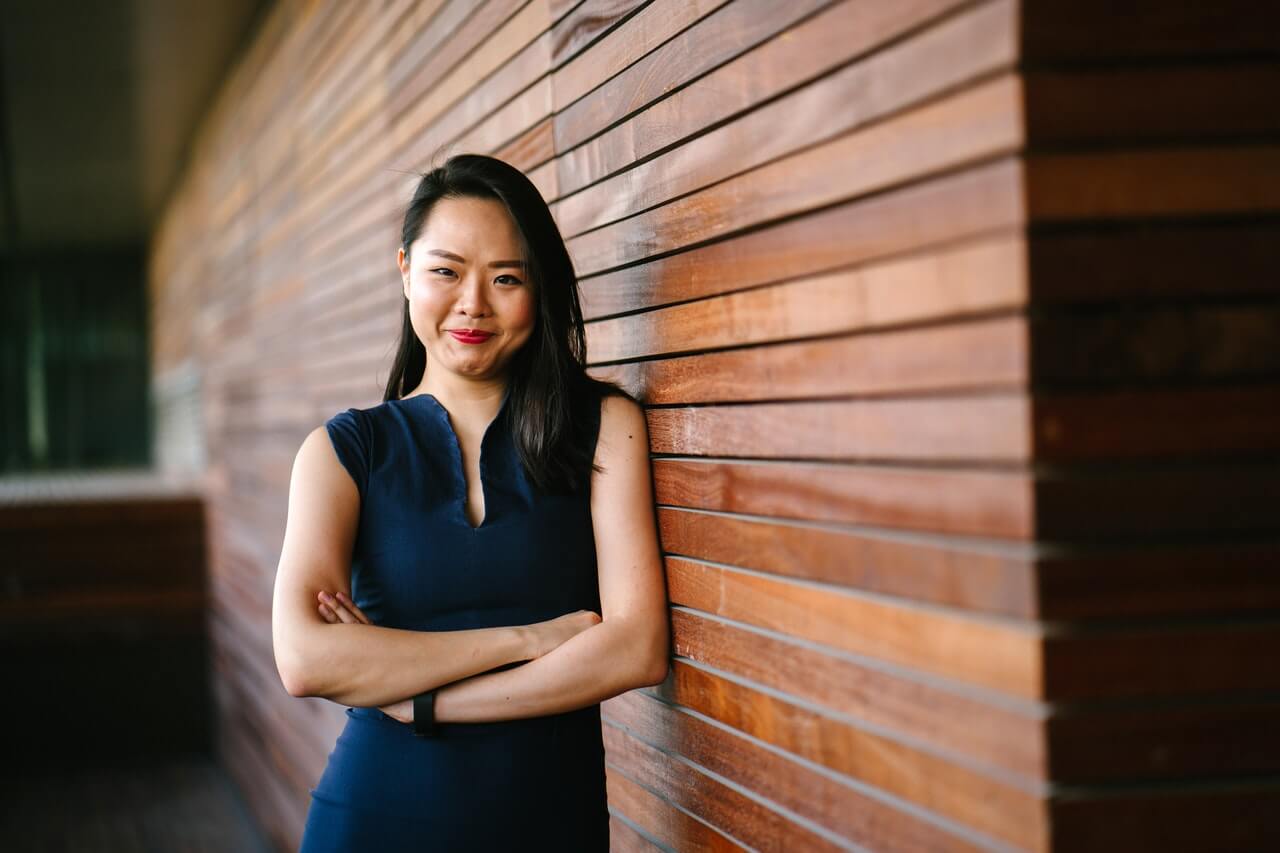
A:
176, 805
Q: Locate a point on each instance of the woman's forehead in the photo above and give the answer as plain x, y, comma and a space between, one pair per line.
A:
471, 225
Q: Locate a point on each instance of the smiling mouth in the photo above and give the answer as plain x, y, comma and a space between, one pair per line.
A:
470, 336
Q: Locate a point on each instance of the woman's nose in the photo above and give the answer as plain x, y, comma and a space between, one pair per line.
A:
471, 299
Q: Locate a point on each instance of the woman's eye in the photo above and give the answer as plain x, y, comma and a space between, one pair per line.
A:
509, 279
442, 271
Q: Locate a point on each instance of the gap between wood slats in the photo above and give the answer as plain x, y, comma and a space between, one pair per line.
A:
942, 572
1000, 655
579, 26
723, 805
948, 283
669, 825
626, 837
635, 30
943, 58
845, 808
812, 47
919, 218
720, 36
980, 123
987, 355
491, 52
966, 502
992, 729
514, 76
1000, 805
953, 429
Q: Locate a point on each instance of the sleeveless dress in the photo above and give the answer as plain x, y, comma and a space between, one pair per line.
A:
529, 784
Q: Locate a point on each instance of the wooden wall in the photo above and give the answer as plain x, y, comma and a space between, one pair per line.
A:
956, 324
103, 596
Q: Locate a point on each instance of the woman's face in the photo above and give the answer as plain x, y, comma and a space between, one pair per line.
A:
465, 271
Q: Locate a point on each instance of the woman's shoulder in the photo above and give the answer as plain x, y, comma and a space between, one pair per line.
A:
622, 424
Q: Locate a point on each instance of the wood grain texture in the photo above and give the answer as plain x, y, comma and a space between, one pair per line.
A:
759, 824
987, 729
955, 325
967, 576
676, 829
1014, 810
854, 816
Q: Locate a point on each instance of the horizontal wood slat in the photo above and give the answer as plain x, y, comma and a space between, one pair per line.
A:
875, 822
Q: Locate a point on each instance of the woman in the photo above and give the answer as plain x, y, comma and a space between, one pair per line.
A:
472, 566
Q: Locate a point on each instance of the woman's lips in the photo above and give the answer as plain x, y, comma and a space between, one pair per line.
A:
470, 336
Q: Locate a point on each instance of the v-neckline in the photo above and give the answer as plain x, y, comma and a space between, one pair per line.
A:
460, 469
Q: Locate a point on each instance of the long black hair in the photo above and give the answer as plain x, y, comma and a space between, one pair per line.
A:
553, 402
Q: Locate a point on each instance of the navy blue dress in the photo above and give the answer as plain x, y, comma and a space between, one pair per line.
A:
528, 784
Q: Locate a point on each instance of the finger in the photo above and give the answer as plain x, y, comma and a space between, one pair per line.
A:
327, 614
351, 605
343, 614
336, 606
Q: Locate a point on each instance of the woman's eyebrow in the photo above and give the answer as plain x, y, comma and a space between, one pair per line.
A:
451, 256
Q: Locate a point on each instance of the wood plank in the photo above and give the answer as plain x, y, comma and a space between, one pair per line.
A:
1158, 104
975, 503
944, 57
484, 98
1061, 31
454, 32
1132, 661
620, 33
1159, 579
991, 428
1125, 504
1134, 345
1123, 743
1212, 422
754, 822
954, 207
623, 838
950, 282
673, 828
530, 149
988, 355
999, 655
981, 122
984, 728
1013, 811
1188, 181
715, 39
844, 811
942, 571
579, 25
492, 47
1154, 261
1192, 818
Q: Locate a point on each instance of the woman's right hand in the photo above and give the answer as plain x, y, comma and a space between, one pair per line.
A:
548, 635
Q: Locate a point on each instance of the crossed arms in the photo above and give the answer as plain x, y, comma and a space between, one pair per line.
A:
329, 650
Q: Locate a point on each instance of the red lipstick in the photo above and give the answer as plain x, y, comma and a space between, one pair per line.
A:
470, 336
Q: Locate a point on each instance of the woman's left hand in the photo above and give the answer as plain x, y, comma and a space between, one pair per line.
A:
340, 608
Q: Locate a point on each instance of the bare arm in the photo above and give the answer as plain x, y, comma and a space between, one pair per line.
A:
359, 664
629, 648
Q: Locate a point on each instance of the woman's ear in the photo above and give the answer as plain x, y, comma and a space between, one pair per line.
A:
402, 261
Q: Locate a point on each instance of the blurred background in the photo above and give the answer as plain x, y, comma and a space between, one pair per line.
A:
955, 322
